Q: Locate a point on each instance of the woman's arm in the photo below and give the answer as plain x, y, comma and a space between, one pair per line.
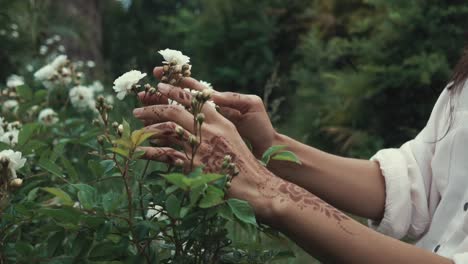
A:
346, 183
330, 235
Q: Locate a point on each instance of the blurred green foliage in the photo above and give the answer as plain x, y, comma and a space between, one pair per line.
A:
356, 75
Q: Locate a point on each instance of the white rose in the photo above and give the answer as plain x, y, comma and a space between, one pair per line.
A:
10, 106
123, 85
10, 137
15, 81
174, 57
14, 160
48, 117
45, 73
81, 97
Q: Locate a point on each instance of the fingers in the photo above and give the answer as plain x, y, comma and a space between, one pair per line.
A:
181, 96
152, 99
186, 82
175, 93
241, 102
169, 132
166, 155
156, 114
232, 114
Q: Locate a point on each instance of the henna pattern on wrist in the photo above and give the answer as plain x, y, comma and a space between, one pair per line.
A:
269, 187
284, 190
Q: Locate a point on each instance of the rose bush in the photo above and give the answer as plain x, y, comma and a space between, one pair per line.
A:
73, 187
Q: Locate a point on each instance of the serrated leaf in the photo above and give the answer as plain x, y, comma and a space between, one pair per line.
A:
213, 196
243, 211
65, 199
204, 179
178, 179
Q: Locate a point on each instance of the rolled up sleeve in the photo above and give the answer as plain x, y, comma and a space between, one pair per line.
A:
409, 202
461, 258
406, 206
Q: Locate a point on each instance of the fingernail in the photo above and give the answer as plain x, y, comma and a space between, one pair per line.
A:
137, 112
163, 88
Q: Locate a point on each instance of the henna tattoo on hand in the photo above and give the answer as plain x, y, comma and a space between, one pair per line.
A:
213, 153
269, 187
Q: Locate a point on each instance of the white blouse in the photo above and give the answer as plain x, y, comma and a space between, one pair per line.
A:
427, 182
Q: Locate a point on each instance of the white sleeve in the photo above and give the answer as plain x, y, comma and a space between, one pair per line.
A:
461, 258
408, 179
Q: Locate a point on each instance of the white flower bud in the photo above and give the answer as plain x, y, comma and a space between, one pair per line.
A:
200, 118
120, 129
193, 140
180, 131
207, 93
178, 68
16, 182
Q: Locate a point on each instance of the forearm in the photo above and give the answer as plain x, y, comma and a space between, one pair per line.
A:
333, 237
343, 182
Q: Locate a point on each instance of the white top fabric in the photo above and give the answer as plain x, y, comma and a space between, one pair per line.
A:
427, 182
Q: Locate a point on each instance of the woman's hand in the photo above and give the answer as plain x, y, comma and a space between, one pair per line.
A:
246, 112
173, 124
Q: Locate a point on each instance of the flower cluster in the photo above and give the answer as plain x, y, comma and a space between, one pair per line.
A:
59, 71
176, 66
12, 31
10, 162
9, 132
50, 44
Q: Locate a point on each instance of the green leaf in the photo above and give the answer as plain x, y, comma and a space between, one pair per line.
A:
108, 165
57, 151
196, 193
70, 170
26, 132
213, 197
173, 206
86, 195
126, 129
204, 179
111, 201
243, 211
121, 152
178, 179
139, 136
270, 151
286, 156
24, 92
185, 183
65, 199
225, 212
49, 166
106, 251
67, 215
